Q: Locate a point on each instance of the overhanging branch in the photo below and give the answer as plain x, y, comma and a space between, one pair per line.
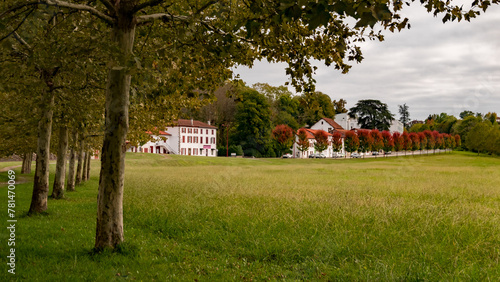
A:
63, 4
160, 16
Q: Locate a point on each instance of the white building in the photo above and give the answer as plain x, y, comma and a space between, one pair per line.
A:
329, 126
349, 123
187, 137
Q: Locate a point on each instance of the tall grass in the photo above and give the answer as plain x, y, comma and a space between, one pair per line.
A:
413, 218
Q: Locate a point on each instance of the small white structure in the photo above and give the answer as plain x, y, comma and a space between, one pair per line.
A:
187, 137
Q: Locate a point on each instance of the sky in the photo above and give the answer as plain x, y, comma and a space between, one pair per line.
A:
432, 67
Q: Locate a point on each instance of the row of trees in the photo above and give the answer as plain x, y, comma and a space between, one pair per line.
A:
479, 132
374, 140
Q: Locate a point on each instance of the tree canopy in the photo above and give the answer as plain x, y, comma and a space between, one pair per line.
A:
372, 114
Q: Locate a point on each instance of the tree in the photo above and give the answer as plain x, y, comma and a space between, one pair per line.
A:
407, 144
303, 141
365, 141
336, 141
415, 142
372, 114
404, 115
378, 140
339, 106
388, 141
466, 113
322, 142
253, 124
423, 141
351, 142
398, 142
477, 138
431, 141
314, 106
283, 135
220, 34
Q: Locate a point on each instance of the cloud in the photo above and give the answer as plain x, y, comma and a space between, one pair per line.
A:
432, 67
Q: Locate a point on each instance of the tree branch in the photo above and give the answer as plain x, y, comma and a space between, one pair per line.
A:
160, 16
109, 6
22, 41
18, 26
63, 4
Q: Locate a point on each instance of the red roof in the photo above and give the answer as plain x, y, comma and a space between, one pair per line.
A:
193, 123
161, 133
333, 124
310, 133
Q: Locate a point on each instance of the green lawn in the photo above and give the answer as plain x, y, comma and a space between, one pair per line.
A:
217, 219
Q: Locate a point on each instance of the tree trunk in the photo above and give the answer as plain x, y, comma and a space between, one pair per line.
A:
89, 155
79, 167
109, 229
70, 185
58, 189
41, 181
27, 159
84, 169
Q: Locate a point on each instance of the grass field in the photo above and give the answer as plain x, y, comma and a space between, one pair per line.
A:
217, 219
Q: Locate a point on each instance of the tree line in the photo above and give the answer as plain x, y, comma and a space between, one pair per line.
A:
480, 133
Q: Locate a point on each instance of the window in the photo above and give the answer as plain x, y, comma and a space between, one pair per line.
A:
212, 140
190, 130
207, 131
206, 140
196, 130
212, 132
195, 152
190, 139
189, 151
201, 140
195, 139
183, 139
183, 130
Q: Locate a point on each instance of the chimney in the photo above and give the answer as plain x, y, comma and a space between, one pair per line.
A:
208, 122
191, 122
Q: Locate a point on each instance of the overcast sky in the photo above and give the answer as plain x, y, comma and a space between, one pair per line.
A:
432, 67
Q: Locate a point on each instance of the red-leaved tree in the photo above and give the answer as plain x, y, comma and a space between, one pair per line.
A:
423, 141
283, 135
431, 141
388, 141
303, 141
437, 140
336, 141
378, 140
365, 141
351, 142
398, 142
415, 142
322, 142
406, 141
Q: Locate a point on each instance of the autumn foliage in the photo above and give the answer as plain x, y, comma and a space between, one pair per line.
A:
283, 135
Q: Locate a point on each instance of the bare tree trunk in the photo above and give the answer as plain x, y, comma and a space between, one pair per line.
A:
84, 169
58, 189
27, 159
79, 167
41, 181
89, 155
70, 185
109, 229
